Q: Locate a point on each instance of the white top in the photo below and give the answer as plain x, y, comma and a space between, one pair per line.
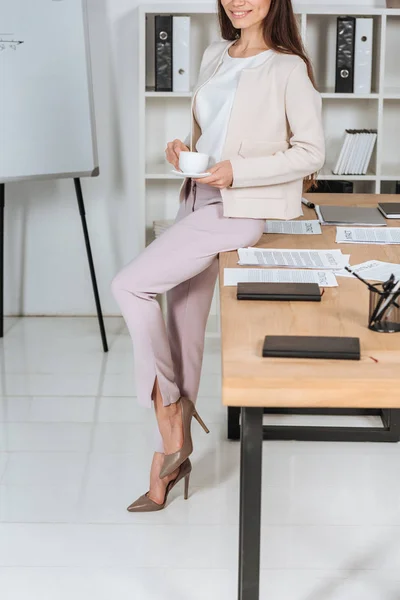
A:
214, 103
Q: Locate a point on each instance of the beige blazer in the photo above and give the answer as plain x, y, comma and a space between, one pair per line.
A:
274, 138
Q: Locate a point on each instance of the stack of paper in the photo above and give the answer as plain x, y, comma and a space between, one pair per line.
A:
322, 278
303, 259
293, 227
368, 235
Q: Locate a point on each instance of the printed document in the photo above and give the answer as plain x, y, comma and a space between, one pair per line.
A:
368, 235
293, 227
323, 278
374, 270
301, 259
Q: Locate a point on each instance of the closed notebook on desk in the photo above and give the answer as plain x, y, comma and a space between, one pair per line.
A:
304, 346
351, 215
390, 210
262, 290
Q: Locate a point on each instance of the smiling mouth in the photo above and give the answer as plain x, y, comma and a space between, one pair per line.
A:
240, 14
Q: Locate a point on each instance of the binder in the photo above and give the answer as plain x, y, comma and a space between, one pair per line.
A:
369, 152
361, 152
363, 55
345, 39
163, 53
366, 141
181, 54
349, 168
336, 169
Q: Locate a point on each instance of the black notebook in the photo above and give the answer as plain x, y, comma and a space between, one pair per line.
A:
390, 210
261, 290
302, 346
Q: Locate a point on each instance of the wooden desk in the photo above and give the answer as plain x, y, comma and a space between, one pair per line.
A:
252, 382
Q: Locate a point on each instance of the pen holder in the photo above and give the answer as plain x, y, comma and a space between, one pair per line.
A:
384, 310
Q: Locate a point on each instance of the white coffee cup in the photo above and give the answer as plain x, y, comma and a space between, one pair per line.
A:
193, 162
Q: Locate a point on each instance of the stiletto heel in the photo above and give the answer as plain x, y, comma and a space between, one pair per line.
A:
187, 486
200, 421
146, 504
172, 461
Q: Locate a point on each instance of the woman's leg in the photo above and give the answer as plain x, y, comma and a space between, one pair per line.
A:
188, 309
181, 253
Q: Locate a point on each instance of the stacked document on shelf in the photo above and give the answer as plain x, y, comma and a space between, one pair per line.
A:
356, 151
372, 270
300, 259
350, 215
323, 278
162, 225
368, 235
293, 227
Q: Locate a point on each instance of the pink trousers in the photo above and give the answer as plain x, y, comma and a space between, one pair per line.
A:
183, 262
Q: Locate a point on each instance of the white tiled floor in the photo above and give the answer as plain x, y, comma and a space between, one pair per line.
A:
75, 450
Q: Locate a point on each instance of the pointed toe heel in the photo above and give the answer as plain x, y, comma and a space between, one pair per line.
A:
146, 504
172, 461
186, 493
200, 421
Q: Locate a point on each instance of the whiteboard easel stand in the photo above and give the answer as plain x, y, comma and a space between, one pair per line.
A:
2, 204
81, 205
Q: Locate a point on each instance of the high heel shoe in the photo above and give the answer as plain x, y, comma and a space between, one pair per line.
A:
172, 461
145, 504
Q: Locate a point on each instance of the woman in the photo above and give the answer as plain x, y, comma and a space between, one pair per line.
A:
256, 112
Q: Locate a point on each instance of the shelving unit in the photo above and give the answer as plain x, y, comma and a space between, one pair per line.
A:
166, 115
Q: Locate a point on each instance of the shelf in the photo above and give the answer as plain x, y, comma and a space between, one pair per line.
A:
188, 8
324, 94
373, 96
152, 94
326, 173
391, 93
161, 171
391, 172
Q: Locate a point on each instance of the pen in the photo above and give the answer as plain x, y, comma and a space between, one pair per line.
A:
390, 298
307, 203
369, 286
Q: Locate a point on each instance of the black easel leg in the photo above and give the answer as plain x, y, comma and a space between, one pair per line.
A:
2, 204
79, 196
251, 437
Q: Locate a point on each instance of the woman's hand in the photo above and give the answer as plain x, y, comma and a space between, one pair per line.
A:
172, 152
221, 175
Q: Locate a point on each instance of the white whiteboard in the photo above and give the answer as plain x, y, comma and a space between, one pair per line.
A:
47, 126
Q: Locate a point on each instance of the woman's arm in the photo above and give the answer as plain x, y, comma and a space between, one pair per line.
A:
306, 155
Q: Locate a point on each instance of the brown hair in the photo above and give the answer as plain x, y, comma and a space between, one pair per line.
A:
281, 33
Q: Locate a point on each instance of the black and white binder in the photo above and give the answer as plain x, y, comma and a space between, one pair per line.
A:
345, 41
363, 55
181, 54
163, 53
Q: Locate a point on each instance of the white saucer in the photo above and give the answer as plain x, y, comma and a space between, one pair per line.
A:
196, 175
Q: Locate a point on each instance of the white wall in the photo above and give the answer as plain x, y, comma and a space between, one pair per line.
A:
45, 260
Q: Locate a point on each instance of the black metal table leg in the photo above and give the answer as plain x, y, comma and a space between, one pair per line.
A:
79, 196
233, 423
250, 503
2, 204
